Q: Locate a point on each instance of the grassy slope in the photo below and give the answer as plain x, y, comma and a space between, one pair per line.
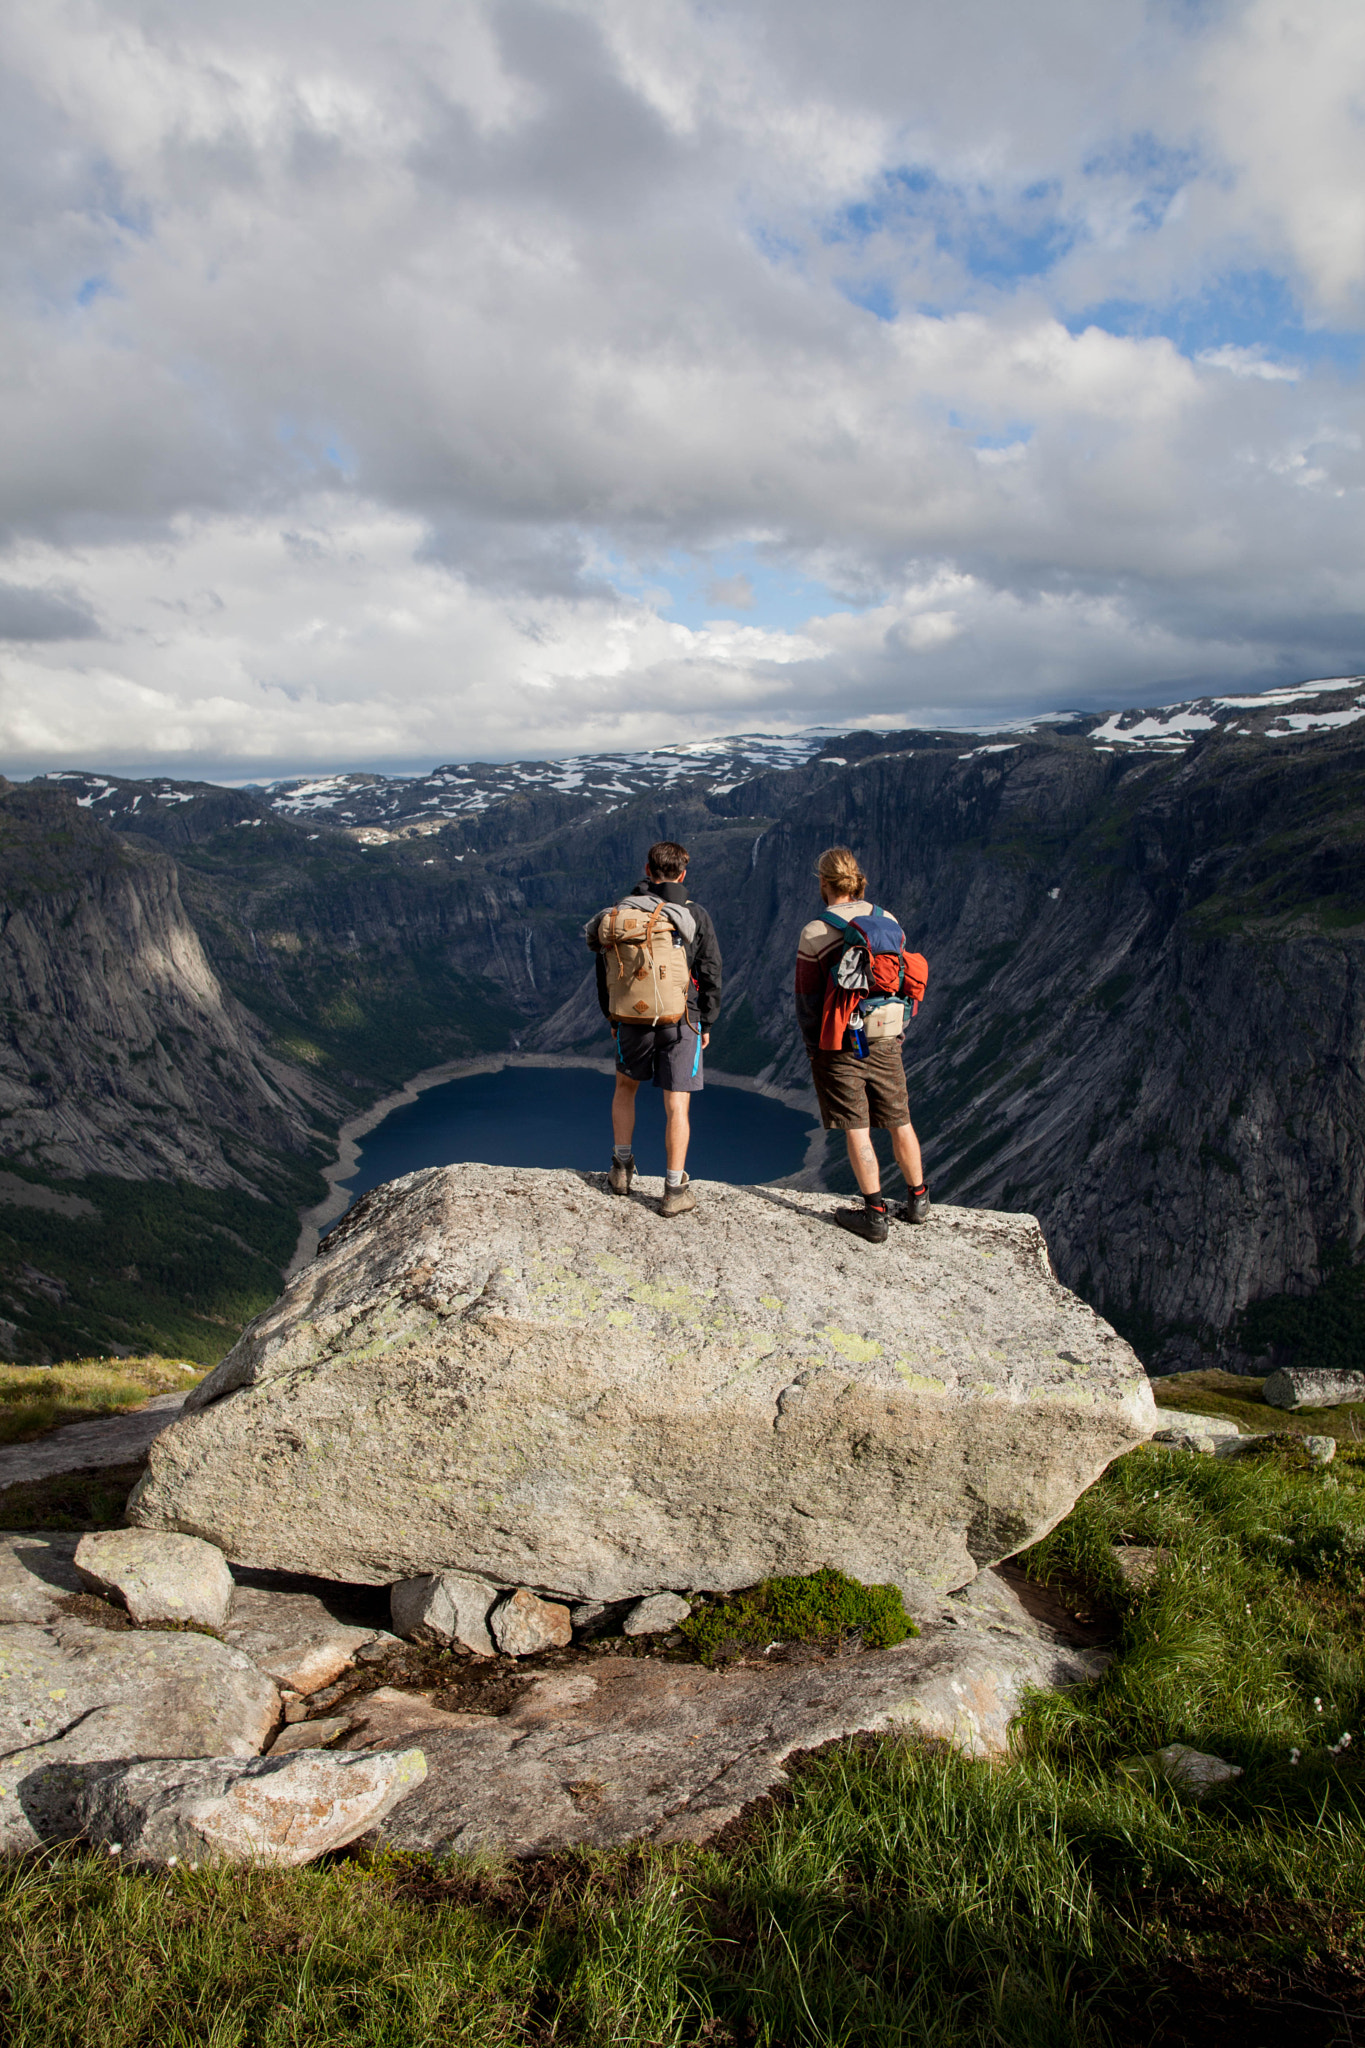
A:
1240, 1399
165, 1268
901, 1894
34, 1399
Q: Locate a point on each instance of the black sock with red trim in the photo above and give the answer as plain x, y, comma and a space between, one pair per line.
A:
877, 1201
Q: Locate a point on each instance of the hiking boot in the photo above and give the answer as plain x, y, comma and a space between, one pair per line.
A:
677, 1201
916, 1209
619, 1179
868, 1223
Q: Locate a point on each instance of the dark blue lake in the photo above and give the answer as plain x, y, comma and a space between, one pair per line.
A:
561, 1116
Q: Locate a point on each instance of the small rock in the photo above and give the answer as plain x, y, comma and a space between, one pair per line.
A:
587, 1616
445, 1607
1250, 1445
317, 1734
1298, 1386
1185, 1422
655, 1615
1198, 1441
1138, 1564
1189, 1770
159, 1576
1321, 1449
282, 1812
523, 1623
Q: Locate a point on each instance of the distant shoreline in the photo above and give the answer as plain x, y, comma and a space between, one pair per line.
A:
315, 1222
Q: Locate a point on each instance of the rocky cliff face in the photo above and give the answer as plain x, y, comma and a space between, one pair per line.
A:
122, 1053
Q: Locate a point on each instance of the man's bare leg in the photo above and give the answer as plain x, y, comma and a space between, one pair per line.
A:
623, 1110
905, 1145
861, 1157
677, 1128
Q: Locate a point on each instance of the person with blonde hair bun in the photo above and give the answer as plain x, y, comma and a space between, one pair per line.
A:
855, 1052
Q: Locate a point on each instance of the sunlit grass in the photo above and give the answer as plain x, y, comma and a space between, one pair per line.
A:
1240, 1399
37, 1398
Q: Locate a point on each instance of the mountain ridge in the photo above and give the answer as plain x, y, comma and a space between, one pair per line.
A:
1145, 933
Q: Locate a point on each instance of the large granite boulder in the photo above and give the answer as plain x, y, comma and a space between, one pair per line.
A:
517, 1374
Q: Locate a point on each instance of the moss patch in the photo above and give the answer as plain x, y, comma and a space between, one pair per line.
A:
822, 1607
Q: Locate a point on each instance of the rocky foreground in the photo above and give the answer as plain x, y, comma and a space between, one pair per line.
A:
523, 1424
148, 1739
517, 1375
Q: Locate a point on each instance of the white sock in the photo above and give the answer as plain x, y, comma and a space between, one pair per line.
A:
621, 1153
674, 1177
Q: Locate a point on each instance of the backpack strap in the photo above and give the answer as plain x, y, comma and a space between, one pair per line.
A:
841, 924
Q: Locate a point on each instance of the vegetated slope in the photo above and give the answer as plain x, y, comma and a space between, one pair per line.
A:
897, 1891
178, 1142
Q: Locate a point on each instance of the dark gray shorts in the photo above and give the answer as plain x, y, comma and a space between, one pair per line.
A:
669, 1055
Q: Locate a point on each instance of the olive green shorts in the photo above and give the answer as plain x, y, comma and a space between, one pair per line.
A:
860, 1095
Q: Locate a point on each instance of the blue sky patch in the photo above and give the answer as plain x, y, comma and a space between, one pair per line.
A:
1252, 309
736, 583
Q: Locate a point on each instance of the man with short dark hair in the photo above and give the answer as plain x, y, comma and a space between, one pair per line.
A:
668, 1053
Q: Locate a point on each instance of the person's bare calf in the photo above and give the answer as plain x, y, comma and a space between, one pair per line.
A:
868, 1173
622, 1135
677, 1128
678, 1195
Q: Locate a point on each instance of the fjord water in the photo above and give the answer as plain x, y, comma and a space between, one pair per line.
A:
561, 1116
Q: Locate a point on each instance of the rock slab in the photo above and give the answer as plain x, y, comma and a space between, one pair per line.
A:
157, 1576
293, 1638
524, 1377
282, 1813
72, 1697
90, 1446
201, 1697
645, 1748
1299, 1386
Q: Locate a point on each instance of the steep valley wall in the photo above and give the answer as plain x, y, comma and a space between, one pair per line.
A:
1145, 1021
1146, 1014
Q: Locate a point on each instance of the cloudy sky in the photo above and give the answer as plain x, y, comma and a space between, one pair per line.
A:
390, 381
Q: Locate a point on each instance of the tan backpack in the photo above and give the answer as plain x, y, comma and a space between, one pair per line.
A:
646, 963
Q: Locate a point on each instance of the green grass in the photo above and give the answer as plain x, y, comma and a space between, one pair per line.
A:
900, 1896
818, 1607
34, 1399
1240, 1399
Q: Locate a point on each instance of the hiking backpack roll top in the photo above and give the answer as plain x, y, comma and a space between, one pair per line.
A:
870, 980
648, 977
